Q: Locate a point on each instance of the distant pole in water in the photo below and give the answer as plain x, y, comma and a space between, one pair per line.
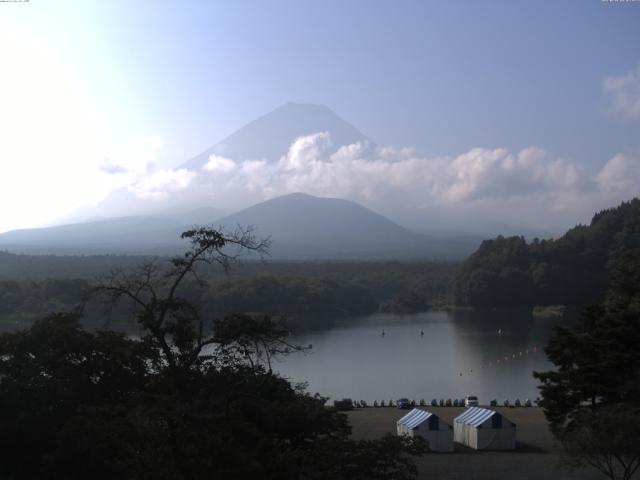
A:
383, 332
421, 333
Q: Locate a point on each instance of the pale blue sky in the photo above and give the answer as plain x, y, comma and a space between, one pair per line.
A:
444, 76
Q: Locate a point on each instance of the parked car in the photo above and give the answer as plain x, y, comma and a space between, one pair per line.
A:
471, 401
403, 403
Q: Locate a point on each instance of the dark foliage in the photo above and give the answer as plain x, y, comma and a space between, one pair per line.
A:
304, 302
605, 439
597, 360
306, 295
343, 405
592, 399
190, 399
54, 374
571, 270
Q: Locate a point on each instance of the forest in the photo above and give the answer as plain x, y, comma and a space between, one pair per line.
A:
305, 295
570, 270
190, 397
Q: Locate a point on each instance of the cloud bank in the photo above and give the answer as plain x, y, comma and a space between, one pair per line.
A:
529, 187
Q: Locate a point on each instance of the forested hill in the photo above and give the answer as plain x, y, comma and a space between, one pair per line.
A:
571, 270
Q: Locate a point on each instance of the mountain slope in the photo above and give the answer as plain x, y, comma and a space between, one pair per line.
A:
131, 235
302, 227
305, 227
269, 136
302, 215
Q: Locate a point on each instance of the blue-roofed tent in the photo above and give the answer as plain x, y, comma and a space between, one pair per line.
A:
483, 429
425, 424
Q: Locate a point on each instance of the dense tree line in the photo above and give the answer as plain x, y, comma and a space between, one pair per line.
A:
23, 301
592, 398
571, 270
379, 276
78, 405
301, 301
191, 398
40, 267
308, 295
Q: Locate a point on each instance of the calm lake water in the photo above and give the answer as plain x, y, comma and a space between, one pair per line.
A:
460, 353
491, 354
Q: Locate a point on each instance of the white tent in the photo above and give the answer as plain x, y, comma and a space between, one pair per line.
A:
428, 426
483, 429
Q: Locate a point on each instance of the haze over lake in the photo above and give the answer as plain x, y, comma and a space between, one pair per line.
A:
353, 359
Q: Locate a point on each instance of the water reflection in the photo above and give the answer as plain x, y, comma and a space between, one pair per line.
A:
428, 355
491, 354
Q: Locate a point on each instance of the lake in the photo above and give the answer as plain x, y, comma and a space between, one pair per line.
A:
489, 354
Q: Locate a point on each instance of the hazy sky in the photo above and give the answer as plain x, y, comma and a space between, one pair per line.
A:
87, 87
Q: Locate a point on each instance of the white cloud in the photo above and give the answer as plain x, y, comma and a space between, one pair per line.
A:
217, 163
480, 186
159, 184
489, 183
305, 150
477, 174
624, 94
621, 174
498, 173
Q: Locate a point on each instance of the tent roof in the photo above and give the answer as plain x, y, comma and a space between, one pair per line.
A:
475, 416
414, 418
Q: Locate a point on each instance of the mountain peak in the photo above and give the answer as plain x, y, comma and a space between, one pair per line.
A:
298, 105
270, 136
296, 196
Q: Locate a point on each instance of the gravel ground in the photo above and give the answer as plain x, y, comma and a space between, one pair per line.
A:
536, 456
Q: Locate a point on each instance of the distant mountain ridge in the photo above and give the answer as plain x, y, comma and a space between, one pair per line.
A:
269, 139
139, 235
130, 235
302, 227
306, 227
316, 217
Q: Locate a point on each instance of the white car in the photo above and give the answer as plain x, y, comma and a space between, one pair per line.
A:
471, 401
